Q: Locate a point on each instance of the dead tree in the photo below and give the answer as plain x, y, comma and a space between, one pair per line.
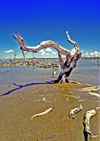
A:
71, 56
24, 55
66, 67
15, 54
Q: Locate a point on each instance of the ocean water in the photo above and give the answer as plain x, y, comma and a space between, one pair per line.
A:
86, 71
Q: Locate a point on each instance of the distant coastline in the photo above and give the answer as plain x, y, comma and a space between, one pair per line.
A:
94, 58
22, 59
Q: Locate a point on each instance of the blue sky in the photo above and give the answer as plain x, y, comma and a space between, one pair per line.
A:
41, 20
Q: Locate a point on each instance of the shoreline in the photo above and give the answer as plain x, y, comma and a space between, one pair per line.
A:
29, 62
19, 106
95, 58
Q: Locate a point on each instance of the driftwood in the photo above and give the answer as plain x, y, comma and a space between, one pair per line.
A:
54, 73
71, 56
74, 111
86, 122
43, 113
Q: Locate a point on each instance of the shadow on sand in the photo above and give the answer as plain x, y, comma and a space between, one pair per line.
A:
85, 135
22, 86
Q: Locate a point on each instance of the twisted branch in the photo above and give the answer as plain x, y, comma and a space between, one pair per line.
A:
46, 44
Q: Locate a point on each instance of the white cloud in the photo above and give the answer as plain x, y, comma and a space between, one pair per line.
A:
91, 53
49, 50
47, 54
82, 51
9, 51
95, 52
86, 53
54, 53
42, 50
43, 53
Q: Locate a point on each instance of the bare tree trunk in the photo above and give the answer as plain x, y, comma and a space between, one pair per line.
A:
66, 67
24, 55
71, 56
15, 56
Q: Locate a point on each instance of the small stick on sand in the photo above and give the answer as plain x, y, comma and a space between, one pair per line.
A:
74, 111
43, 113
86, 122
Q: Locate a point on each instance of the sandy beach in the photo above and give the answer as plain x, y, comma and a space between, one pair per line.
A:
19, 106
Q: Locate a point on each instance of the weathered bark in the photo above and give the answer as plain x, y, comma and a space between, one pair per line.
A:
66, 67
46, 44
86, 122
71, 56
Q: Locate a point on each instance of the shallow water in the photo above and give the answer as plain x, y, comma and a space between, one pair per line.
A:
86, 71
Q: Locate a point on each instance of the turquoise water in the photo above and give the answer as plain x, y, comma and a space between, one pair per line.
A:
86, 71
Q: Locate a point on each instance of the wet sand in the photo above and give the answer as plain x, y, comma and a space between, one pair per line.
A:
19, 106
